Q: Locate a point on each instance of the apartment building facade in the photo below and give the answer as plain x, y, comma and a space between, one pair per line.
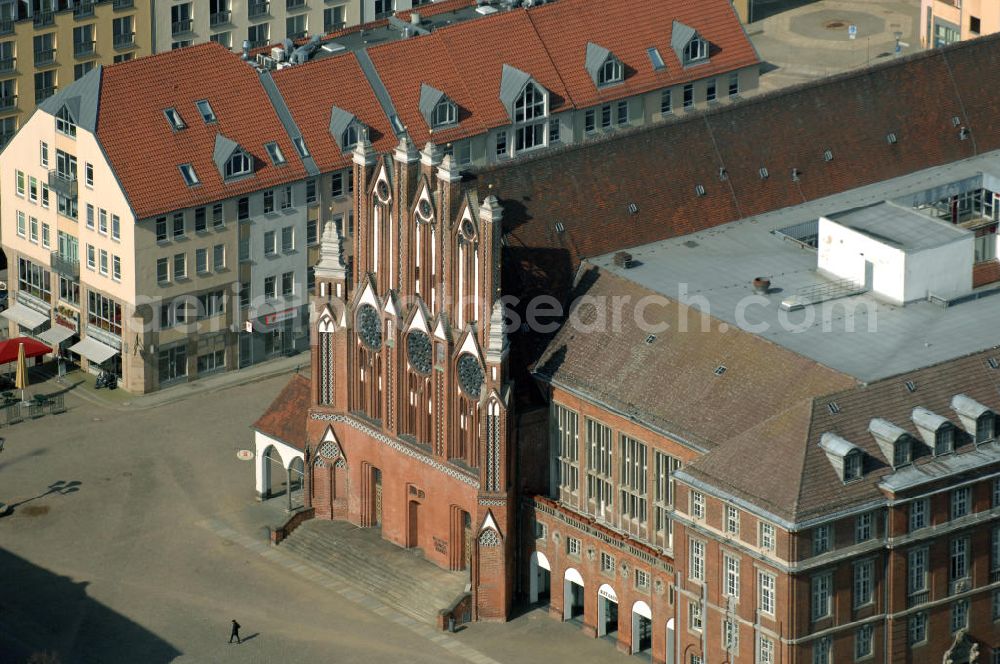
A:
944, 22
131, 261
47, 44
260, 22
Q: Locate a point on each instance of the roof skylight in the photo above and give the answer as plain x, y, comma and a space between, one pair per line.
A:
207, 114
174, 118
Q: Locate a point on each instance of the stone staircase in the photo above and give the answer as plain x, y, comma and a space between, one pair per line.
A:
397, 577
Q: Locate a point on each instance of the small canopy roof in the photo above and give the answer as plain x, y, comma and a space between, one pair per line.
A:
32, 348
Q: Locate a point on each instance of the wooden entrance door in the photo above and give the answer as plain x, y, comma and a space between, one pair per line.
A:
413, 537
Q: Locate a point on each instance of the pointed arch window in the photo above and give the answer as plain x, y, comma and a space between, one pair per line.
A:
325, 359
530, 105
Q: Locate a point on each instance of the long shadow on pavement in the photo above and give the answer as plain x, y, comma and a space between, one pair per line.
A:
44, 612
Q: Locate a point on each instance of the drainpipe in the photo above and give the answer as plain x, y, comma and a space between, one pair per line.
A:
885, 587
677, 629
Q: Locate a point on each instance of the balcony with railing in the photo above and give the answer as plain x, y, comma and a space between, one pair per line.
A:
123, 4
220, 18
41, 94
68, 266
84, 9
295, 36
913, 599
83, 49
7, 64
295, 4
258, 9
181, 27
45, 56
959, 586
245, 249
6, 26
44, 18
63, 183
124, 40
8, 102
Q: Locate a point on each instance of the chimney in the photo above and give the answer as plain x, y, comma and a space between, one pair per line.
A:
623, 259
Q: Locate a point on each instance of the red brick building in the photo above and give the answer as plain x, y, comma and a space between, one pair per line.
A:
472, 482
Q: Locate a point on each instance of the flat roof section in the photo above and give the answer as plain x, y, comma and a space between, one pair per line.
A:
899, 226
861, 336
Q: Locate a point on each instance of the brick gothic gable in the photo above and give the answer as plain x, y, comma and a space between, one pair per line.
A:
410, 366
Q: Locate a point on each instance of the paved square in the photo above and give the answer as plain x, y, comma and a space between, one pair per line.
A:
124, 565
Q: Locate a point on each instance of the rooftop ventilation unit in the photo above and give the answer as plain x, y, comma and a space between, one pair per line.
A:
963, 134
278, 54
651, 338
763, 173
828, 155
890, 138
955, 121
559, 227
796, 175
719, 370
723, 174
833, 407
910, 386
633, 208
623, 259
699, 190
993, 363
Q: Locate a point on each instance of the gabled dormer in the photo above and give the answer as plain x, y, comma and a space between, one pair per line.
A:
937, 431
846, 458
345, 128
690, 47
437, 108
894, 442
232, 160
523, 97
979, 421
603, 66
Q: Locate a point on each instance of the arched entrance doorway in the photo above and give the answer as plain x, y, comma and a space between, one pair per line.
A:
539, 581
642, 628
573, 597
607, 612
274, 481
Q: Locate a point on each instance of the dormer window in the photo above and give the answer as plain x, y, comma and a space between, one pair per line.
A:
985, 427
852, 466
612, 72
846, 458
530, 104
445, 113
696, 49
238, 164
902, 452
207, 114
65, 123
190, 177
174, 118
944, 441
350, 137
275, 153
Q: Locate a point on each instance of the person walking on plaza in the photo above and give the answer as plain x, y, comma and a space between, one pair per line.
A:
235, 634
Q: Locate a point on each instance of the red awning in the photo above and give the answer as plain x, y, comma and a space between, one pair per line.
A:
32, 348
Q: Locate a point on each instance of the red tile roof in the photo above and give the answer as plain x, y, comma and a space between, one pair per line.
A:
311, 91
550, 44
285, 419
145, 152
628, 29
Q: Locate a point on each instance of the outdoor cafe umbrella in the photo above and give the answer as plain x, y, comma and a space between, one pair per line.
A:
21, 379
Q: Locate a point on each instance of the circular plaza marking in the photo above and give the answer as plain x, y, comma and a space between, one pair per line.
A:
244, 455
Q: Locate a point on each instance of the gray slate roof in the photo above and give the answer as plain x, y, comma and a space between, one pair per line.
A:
429, 98
224, 149
679, 38
596, 57
339, 121
80, 98
512, 82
